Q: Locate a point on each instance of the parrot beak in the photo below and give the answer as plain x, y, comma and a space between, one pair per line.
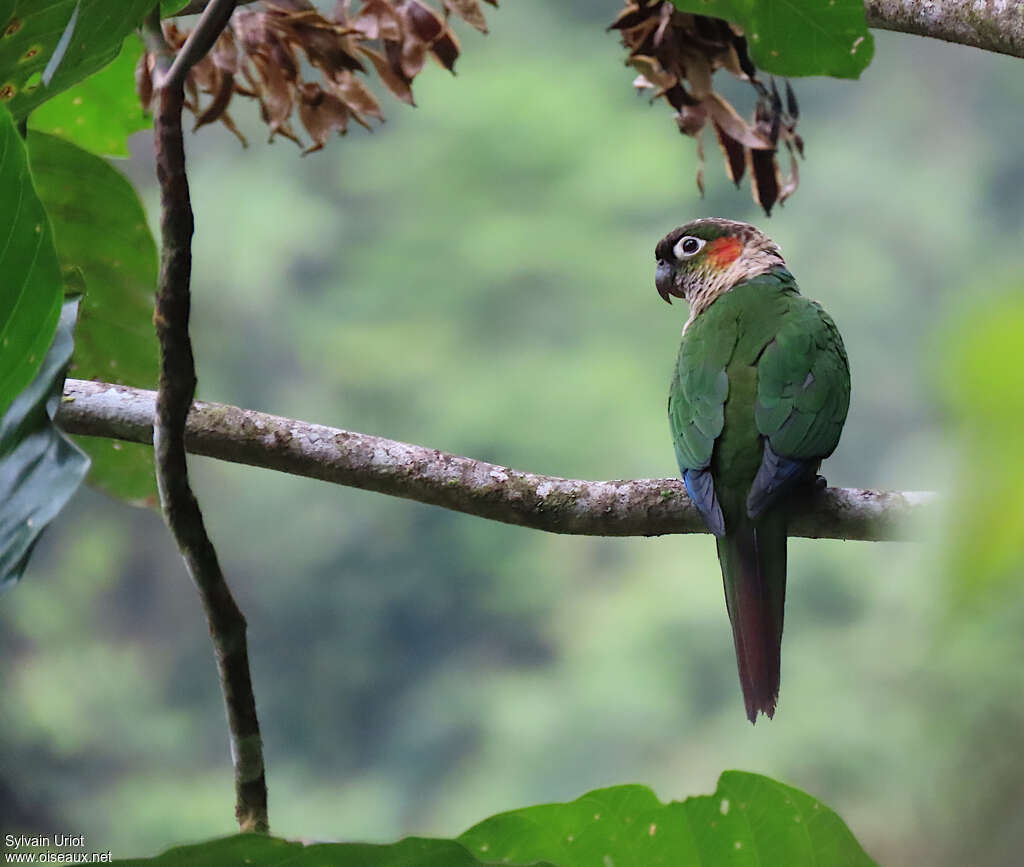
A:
663, 280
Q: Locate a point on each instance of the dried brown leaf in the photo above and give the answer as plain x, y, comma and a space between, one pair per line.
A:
676, 55
206, 75
679, 97
764, 178
276, 94
251, 28
221, 98
691, 119
698, 72
641, 40
469, 11
175, 37
144, 80
406, 58
629, 17
230, 124
652, 72
735, 155
225, 52
356, 95
700, 165
735, 126
421, 21
446, 51
378, 20
327, 45
321, 113
793, 181
396, 82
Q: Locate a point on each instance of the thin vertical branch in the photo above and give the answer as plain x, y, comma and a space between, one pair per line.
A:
174, 400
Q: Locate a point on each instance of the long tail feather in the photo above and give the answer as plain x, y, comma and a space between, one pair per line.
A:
753, 558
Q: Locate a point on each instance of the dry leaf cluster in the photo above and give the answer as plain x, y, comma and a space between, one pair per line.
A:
676, 55
268, 50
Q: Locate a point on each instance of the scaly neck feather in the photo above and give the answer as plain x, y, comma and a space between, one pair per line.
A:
759, 256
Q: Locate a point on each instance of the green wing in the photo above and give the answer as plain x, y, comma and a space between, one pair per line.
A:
803, 390
700, 386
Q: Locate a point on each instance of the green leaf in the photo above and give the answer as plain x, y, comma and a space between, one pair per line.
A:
30, 31
798, 37
750, 819
256, 850
100, 229
100, 113
39, 467
30, 288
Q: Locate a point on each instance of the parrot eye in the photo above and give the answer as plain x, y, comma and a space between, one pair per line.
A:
688, 246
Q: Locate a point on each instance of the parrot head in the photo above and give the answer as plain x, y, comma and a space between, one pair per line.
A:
706, 258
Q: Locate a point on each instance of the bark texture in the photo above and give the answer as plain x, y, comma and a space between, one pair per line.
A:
992, 25
168, 412
640, 507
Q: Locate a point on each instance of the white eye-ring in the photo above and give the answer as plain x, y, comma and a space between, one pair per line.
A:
688, 246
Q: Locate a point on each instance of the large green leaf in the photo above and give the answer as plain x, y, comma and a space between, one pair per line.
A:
30, 31
750, 819
255, 850
39, 467
100, 229
798, 37
30, 281
99, 113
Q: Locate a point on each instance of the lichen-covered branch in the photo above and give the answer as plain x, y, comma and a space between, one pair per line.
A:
641, 507
168, 414
993, 25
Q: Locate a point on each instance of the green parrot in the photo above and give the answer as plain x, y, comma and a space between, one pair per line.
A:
759, 396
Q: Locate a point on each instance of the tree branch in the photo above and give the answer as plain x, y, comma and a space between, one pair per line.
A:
172, 403
995, 25
207, 30
644, 507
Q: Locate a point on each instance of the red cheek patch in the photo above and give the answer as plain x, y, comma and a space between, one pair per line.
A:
722, 252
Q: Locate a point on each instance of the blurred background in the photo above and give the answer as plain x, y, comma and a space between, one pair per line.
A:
477, 276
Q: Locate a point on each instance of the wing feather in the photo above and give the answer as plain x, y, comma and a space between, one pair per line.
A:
802, 399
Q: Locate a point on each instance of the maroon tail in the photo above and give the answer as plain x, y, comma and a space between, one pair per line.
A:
753, 562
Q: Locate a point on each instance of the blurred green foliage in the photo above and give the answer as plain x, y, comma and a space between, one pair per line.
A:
100, 231
31, 290
101, 112
40, 468
31, 34
477, 276
984, 382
